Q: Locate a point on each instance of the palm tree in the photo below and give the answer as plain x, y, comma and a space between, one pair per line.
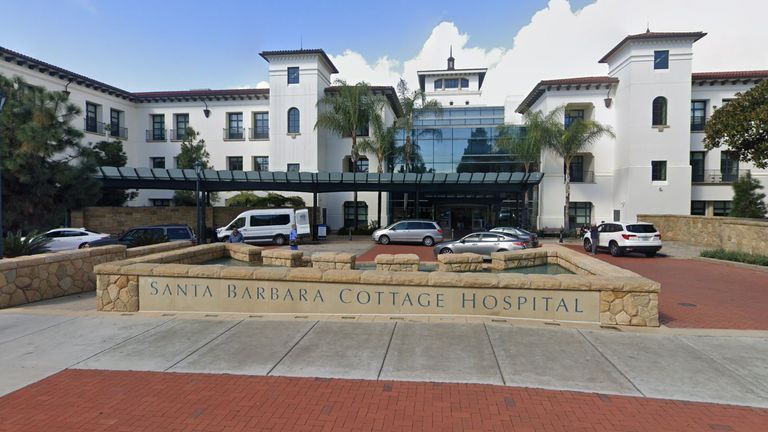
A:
522, 147
346, 112
566, 142
382, 145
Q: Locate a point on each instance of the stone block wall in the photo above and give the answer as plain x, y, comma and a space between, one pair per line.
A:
283, 258
629, 308
333, 261
734, 234
397, 262
463, 262
244, 252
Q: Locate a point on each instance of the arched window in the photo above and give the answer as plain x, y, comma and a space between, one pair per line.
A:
438, 84
464, 83
293, 120
660, 111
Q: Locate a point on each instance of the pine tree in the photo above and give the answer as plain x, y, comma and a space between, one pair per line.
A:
192, 150
112, 154
748, 202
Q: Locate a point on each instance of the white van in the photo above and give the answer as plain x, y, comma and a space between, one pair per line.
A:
268, 225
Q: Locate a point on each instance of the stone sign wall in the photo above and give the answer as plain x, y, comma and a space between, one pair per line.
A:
735, 234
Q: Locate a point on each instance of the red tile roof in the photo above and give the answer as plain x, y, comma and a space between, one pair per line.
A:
539, 90
203, 93
729, 75
653, 35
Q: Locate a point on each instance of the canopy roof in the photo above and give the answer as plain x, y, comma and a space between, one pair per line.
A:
221, 181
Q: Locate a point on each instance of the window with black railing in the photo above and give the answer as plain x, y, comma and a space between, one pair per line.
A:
697, 167
157, 132
260, 129
729, 166
234, 129
182, 123
698, 115
573, 115
93, 126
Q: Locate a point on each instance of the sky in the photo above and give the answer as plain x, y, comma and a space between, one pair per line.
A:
140, 45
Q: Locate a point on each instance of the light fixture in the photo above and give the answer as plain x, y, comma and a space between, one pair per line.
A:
206, 111
66, 88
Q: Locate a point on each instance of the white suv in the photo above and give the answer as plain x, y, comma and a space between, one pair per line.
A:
619, 238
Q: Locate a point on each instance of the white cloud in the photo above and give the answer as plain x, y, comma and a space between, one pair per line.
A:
262, 85
559, 43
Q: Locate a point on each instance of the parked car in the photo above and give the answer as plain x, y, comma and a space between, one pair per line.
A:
530, 238
71, 238
426, 232
268, 225
172, 232
481, 243
619, 238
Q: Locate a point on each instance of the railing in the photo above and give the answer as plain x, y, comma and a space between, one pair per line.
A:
156, 135
178, 135
116, 131
583, 177
258, 134
698, 125
93, 126
234, 133
718, 177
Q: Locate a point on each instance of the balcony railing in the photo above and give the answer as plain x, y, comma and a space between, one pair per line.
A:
93, 126
258, 134
698, 125
583, 177
156, 135
234, 133
115, 131
718, 176
178, 135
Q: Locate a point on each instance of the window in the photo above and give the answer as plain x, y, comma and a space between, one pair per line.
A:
464, 83
729, 166
698, 115
661, 59
235, 163
658, 170
577, 169
115, 124
721, 208
697, 167
237, 223
293, 75
698, 208
293, 121
293, 167
363, 130
182, 123
438, 84
573, 115
362, 213
158, 127
157, 202
362, 165
157, 162
91, 117
660, 111
260, 125
261, 163
452, 83
270, 220
579, 213
234, 126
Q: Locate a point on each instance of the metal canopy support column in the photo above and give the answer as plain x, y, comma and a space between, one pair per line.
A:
204, 235
313, 215
418, 204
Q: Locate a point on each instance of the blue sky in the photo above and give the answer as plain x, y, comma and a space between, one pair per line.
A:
166, 45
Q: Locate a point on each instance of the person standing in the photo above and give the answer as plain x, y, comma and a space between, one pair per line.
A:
594, 238
236, 236
293, 237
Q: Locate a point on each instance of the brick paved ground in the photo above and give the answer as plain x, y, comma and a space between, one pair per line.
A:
83, 400
425, 253
702, 294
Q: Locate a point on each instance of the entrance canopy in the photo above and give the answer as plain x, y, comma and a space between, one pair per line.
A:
223, 181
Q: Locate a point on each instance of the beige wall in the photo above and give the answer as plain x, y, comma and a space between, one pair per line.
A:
735, 234
38, 277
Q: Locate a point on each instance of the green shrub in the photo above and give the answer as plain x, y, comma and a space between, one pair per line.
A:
18, 245
250, 199
741, 257
360, 230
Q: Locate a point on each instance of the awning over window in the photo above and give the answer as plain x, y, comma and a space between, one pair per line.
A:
221, 181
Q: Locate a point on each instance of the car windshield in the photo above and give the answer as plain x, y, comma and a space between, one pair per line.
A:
641, 228
180, 233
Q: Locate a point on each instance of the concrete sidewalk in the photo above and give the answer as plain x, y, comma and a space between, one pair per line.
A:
38, 342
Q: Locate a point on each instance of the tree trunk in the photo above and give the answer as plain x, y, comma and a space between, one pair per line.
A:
525, 201
353, 157
566, 224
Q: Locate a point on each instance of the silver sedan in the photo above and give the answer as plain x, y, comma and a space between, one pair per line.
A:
481, 243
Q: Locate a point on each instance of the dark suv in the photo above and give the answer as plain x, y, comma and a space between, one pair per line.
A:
172, 232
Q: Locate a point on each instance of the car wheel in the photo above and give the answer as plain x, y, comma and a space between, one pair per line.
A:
83, 246
384, 240
279, 240
650, 254
588, 245
615, 249
428, 241
502, 250
445, 251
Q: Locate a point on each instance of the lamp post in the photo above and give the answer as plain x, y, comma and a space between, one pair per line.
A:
2, 234
200, 228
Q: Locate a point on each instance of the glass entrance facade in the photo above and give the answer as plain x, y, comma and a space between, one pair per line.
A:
460, 140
